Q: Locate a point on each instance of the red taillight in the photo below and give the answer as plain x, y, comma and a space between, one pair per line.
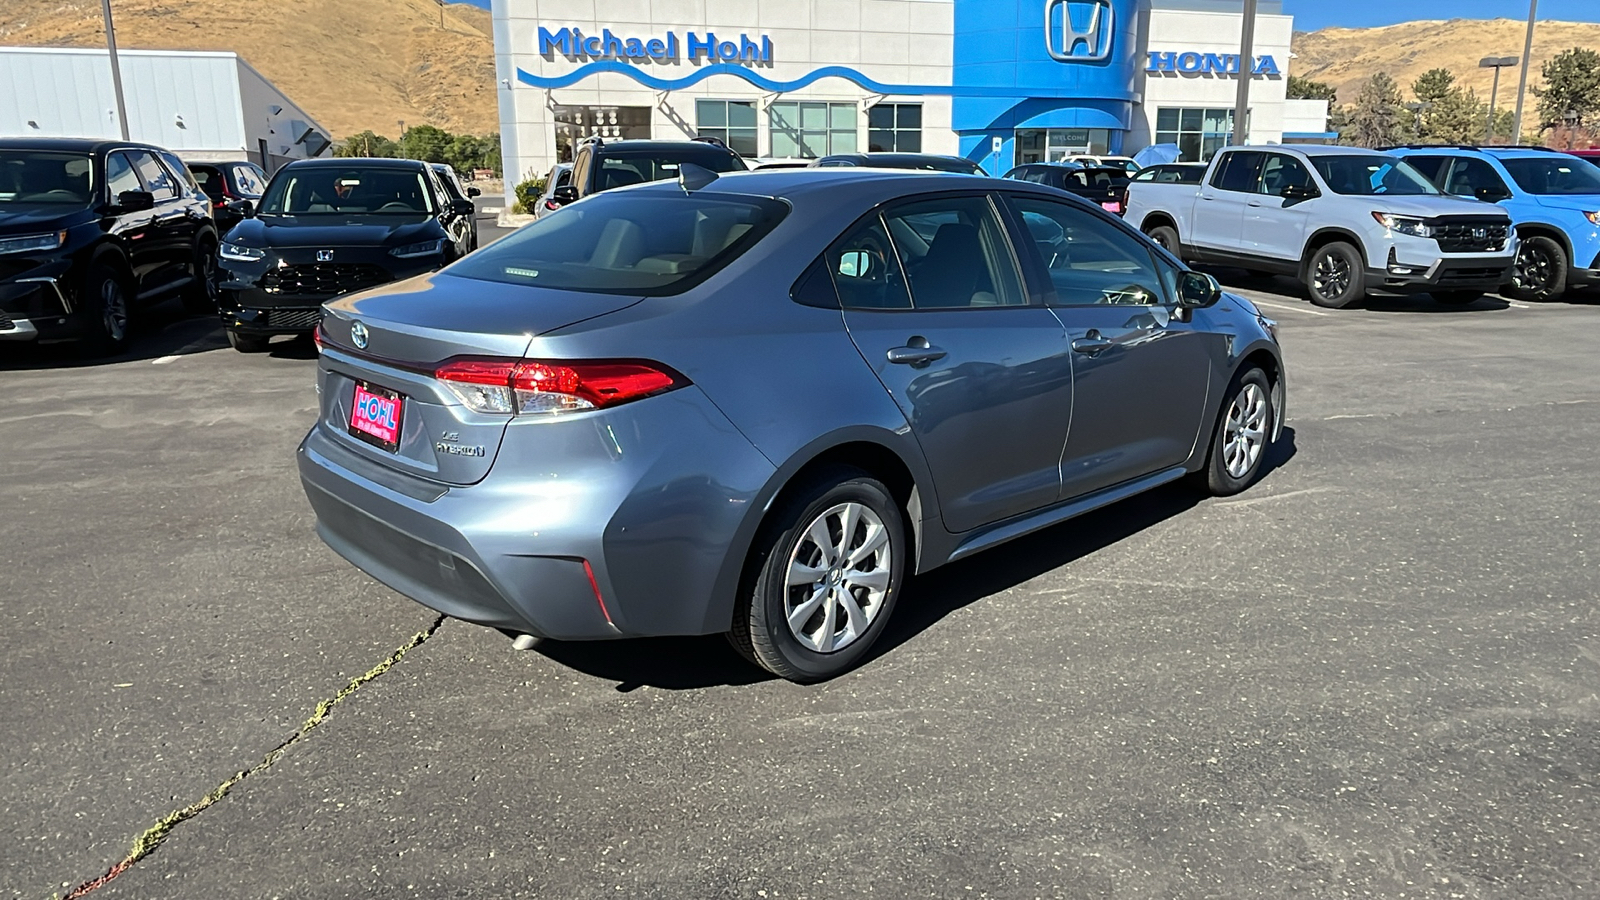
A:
551, 204
316, 338
542, 386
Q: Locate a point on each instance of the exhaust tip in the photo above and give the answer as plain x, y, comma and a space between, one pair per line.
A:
524, 642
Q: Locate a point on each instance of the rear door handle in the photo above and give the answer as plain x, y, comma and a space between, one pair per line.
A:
916, 352
1091, 344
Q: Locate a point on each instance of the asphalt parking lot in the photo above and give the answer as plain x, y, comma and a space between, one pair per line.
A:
1376, 673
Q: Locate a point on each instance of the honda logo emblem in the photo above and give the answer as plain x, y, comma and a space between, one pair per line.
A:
1078, 30
324, 256
1480, 234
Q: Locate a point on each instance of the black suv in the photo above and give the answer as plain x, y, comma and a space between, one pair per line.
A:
327, 227
599, 166
227, 183
91, 229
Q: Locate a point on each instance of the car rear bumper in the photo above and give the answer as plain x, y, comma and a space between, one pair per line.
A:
646, 498
1451, 273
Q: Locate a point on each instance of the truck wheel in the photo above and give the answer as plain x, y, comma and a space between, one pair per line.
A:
1334, 277
105, 309
200, 297
1167, 237
1540, 272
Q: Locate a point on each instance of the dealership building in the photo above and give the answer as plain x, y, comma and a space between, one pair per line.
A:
1001, 82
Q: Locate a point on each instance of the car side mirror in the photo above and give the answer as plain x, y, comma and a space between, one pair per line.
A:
474, 192
244, 208
463, 207
135, 201
1299, 192
564, 194
1197, 290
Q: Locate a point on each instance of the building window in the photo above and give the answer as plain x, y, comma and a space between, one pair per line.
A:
1037, 145
612, 123
810, 130
1199, 133
731, 121
895, 127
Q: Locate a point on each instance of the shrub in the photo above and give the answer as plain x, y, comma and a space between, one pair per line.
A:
528, 192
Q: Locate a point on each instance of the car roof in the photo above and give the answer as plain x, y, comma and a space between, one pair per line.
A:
191, 163
884, 184
1495, 152
364, 162
78, 145
641, 145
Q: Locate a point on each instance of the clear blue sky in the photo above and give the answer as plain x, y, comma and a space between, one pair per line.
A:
1309, 15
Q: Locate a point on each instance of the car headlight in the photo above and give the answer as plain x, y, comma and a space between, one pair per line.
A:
1593, 217
33, 243
426, 248
241, 254
1404, 224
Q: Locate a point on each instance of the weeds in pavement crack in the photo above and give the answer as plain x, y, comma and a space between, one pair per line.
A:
147, 842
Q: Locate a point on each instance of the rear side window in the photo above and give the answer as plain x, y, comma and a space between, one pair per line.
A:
250, 180
157, 180
955, 254
120, 176
649, 244
180, 170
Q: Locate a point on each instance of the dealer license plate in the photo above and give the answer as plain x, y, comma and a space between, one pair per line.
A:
375, 415
1111, 206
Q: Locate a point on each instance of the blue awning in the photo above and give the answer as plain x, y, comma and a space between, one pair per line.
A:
1074, 117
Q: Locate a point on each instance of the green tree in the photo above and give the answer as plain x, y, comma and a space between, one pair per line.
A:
1571, 88
1434, 85
1378, 117
366, 144
1306, 89
1453, 115
425, 142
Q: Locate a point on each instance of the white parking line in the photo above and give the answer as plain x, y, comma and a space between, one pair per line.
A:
164, 360
1518, 305
1286, 308
183, 351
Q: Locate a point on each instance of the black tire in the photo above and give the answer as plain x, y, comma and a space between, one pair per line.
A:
1335, 276
1217, 478
761, 630
247, 343
1457, 298
1166, 236
106, 304
200, 297
1540, 272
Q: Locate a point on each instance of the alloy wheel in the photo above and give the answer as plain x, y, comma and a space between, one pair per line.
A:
1245, 432
1533, 269
1331, 277
838, 578
113, 309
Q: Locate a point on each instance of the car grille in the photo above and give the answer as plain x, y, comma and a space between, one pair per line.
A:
1471, 235
306, 319
1471, 276
322, 279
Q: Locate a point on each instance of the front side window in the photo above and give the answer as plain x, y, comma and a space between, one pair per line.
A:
333, 190
812, 130
1091, 262
651, 243
47, 177
1371, 174
1469, 177
895, 127
1544, 175
1431, 167
120, 176
955, 254
157, 180
731, 121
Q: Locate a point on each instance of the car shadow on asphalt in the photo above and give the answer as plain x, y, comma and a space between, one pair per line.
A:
691, 663
165, 329
1291, 291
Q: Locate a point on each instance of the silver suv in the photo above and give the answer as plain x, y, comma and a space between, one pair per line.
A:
1343, 220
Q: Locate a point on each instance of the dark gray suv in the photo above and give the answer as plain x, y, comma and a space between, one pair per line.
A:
754, 404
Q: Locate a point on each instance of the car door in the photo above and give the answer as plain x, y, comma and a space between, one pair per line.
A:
451, 216
1219, 211
1275, 226
934, 301
135, 228
173, 233
1140, 376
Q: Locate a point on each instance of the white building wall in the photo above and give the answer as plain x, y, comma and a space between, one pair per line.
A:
1180, 31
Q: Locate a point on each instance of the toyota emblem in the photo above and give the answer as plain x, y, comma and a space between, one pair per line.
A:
358, 335
324, 256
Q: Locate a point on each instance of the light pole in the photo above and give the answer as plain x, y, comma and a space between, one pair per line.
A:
1417, 109
1527, 62
1247, 71
1496, 63
116, 68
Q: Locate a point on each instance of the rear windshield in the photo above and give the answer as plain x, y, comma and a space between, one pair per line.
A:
621, 171
250, 181
1545, 175
45, 176
210, 181
332, 190
1368, 175
648, 243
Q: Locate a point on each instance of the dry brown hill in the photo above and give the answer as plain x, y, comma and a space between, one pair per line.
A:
352, 64
1347, 57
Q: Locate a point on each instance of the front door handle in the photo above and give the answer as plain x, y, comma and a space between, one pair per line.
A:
1255, 203
916, 352
1092, 344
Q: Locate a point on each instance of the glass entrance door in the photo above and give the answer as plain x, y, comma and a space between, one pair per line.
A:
1035, 145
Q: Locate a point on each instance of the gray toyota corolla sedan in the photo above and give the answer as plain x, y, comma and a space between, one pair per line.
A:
755, 404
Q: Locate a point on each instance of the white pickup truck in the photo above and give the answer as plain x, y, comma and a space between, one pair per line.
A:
1342, 220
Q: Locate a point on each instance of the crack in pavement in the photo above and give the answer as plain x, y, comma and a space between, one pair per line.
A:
151, 838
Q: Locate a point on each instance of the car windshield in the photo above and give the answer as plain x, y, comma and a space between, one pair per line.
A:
648, 244
1367, 174
1550, 175
621, 171
46, 177
334, 190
